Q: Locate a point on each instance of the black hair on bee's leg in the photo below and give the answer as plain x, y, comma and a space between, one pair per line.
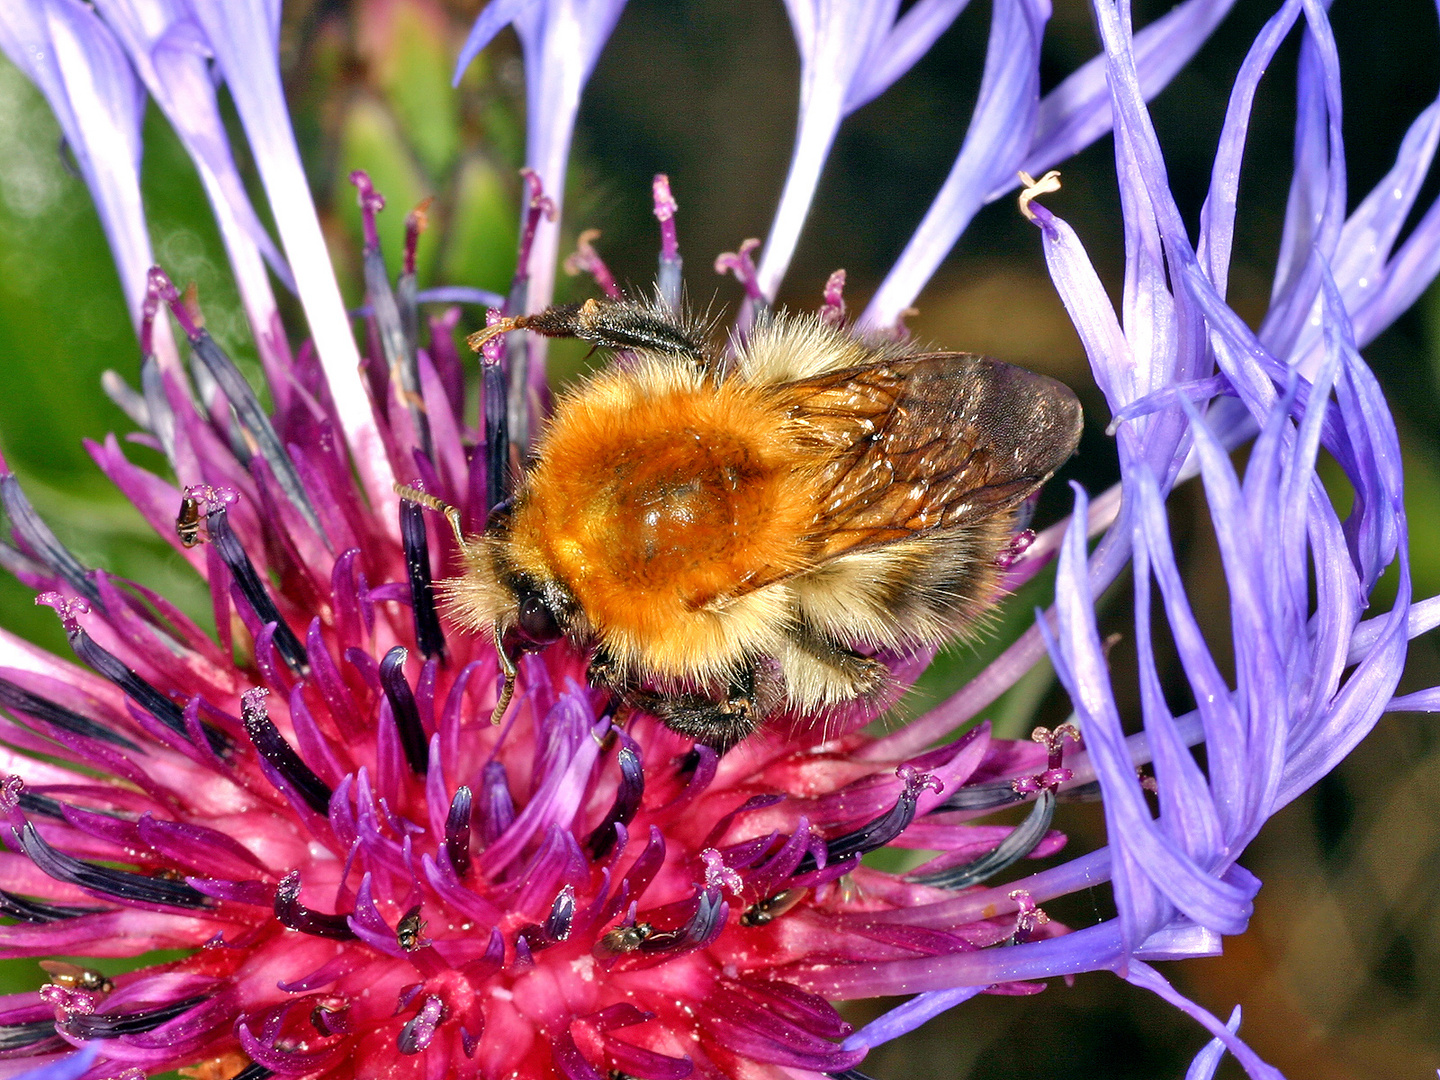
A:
716, 723
619, 325
603, 671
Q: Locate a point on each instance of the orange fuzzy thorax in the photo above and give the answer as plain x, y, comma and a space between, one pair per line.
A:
659, 497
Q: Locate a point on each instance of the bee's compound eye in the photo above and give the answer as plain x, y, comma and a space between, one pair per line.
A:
537, 621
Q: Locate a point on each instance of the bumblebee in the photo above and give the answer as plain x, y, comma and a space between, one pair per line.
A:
732, 538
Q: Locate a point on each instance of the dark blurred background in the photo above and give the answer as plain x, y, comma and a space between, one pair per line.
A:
1338, 976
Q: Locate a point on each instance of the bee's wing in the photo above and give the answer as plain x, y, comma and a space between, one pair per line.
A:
927, 443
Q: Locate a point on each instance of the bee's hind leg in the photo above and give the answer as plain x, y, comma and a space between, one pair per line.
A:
819, 672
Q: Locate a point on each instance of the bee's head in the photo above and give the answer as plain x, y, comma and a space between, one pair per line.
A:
528, 610
508, 589
540, 613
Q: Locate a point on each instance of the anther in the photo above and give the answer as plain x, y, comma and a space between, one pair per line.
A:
35, 535
34, 1037
18, 699
429, 636
1027, 918
1033, 189
832, 310
741, 263
1021, 841
1014, 549
562, 915
215, 504
668, 279
457, 831
248, 410
404, 710
297, 916
628, 795
416, 223
116, 1025
331, 1016
883, 829
122, 885
665, 208
276, 752
111, 667
1055, 774
418, 1032
586, 260
33, 911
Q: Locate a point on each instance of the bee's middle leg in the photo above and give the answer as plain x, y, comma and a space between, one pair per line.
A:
619, 325
718, 722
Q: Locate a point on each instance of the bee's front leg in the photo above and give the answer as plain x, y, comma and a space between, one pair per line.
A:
611, 324
604, 671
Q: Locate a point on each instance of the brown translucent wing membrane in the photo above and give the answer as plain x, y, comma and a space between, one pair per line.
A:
929, 443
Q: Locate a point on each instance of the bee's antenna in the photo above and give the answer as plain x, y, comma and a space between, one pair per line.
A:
424, 498
507, 688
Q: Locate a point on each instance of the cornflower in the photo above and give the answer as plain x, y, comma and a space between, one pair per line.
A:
370, 880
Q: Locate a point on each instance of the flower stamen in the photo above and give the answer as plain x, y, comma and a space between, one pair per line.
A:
628, 796
429, 637
403, 709
215, 503
42, 544
283, 766
586, 260
457, 831
668, 279
741, 263
112, 668
248, 410
1033, 189
121, 885
832, 309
